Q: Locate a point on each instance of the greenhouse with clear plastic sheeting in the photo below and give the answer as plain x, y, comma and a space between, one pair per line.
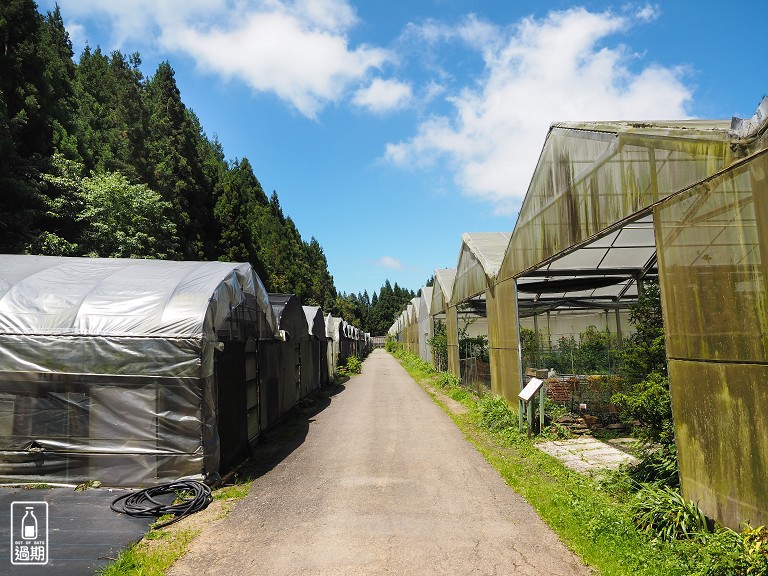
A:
131, 372
614, 204
468, 334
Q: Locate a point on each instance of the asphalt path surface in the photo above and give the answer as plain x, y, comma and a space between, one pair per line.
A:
383, 482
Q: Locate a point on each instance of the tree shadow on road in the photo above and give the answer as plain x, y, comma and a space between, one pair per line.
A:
277, 443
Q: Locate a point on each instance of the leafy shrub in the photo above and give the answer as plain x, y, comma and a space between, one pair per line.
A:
663, 513
438, 343
474, 347
354, 366
459, 394
553, 410
392, 345
593, 351
415, 362
448, 380
644, 351
556, 431
728, 553
495, 413
724, 554
658, 464
649, 402
756, 549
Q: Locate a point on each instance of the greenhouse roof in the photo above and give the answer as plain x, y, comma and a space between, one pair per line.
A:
415, 309
480, 259
585, 233
441, 293
425, 301
598, 274
315, 321
334, 327
593, 178
48, 295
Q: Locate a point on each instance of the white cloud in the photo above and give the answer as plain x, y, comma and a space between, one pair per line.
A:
297, 49
389, 262
278, 52
77, 36
140, 20
384, 95
554, 69
432, 91
649, 12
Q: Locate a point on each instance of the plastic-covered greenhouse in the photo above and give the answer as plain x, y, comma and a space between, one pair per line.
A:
425, 323
335, 333
478, 265
316, 371
109, 368
612, 204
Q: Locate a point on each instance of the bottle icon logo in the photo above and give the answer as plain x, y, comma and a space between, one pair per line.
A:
29, 524
29, 533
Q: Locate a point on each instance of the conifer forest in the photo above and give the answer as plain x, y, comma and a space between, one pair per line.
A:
97, 159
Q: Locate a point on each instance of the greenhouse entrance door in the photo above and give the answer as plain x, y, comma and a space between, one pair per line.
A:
231, 415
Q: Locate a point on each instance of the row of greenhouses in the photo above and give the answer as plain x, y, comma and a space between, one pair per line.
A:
135, 372
611, 207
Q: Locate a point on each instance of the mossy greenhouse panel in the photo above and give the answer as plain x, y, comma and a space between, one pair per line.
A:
712, 246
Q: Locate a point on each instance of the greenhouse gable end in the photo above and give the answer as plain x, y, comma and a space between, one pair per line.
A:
107, 366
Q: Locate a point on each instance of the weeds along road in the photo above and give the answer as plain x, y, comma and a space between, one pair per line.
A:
384, 483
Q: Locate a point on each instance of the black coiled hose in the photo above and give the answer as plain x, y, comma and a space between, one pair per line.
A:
191, 496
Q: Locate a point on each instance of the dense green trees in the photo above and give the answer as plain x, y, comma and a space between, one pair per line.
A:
377, 313
97, 160
26, 119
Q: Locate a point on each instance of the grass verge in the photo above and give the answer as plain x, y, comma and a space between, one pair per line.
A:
590, 514
153, 555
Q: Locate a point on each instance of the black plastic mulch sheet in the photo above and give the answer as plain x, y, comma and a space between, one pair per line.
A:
83, 535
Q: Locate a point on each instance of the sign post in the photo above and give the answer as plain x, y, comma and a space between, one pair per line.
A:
534, 386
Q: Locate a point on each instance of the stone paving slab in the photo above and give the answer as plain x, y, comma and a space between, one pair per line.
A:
588, 455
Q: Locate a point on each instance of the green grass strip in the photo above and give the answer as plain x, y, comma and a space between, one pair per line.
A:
152, 556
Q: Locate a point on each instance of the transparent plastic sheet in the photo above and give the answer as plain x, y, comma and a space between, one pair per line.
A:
425, 324
315, 348
479, 261
121, 356
98, 296
592, 176
315, 321
441, 293
452, 337
74, 428
332, 349
296, 363
66, 324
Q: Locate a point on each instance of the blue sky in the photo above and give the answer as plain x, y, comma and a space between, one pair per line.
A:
389, 128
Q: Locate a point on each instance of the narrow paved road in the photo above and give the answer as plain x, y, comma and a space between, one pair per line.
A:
383, 483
